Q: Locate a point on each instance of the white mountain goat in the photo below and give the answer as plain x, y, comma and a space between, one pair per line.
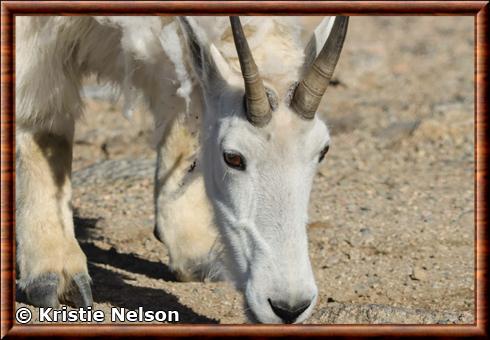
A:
231, 196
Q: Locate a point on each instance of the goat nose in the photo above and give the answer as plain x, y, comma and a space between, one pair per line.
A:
287, 313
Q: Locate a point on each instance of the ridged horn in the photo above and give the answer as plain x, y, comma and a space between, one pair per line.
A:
310, 90
258, 108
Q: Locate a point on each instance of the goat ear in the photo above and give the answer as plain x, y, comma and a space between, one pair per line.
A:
208, 63
316, 42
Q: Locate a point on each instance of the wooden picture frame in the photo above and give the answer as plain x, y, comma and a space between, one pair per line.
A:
9, 9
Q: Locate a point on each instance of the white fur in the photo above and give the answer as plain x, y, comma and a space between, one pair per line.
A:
252, 223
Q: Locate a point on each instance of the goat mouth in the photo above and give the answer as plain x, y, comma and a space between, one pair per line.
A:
252, 318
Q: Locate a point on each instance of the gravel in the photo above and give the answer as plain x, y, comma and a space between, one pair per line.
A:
392, 209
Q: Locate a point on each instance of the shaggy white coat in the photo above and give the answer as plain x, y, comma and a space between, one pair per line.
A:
147, 59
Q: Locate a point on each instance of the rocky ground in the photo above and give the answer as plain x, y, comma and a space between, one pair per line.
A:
392, 208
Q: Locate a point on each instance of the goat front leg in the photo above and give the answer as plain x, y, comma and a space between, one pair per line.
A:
51, 264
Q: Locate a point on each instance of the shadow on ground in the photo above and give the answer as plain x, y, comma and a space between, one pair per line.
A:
111, 287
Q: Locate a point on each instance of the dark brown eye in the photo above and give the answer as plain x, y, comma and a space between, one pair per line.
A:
323, 153
234, 160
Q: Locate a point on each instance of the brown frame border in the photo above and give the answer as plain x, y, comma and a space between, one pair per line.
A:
478, 9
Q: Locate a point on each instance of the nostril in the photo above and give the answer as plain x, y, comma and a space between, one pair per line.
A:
287, 313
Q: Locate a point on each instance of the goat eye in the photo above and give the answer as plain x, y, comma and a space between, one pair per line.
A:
234, 160
323, 153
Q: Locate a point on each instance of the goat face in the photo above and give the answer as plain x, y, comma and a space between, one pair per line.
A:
260, 153
259, 181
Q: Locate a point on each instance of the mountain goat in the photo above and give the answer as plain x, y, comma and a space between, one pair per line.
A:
237, 147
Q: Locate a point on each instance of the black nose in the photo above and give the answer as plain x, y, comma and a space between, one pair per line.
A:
287, 313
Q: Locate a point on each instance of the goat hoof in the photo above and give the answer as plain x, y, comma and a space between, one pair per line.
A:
79, 293
43, 291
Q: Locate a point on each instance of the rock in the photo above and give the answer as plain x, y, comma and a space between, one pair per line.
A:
344, 123
112, 170
366, 236
365, 231
344, 313
419, 274
332, 261
361, 289
398, 130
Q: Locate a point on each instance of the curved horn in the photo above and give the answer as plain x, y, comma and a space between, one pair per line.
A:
258, 110
310, 90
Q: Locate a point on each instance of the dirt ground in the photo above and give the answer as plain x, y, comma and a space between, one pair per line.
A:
392, 208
